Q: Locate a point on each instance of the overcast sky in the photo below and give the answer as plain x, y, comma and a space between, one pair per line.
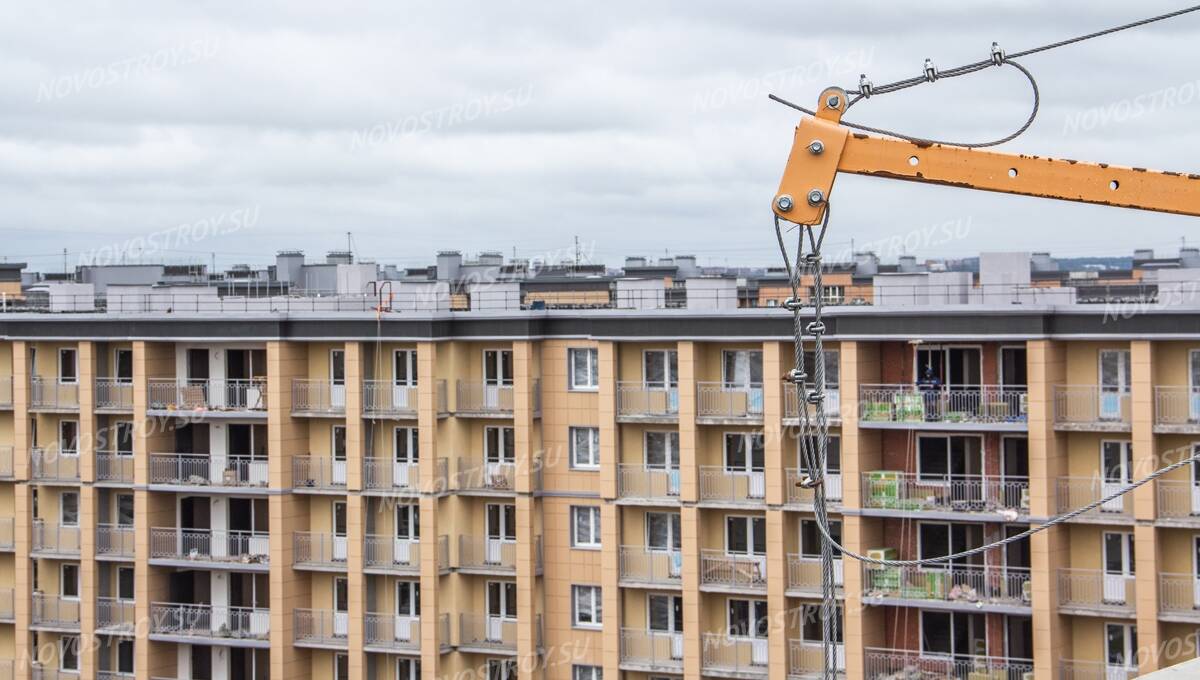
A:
640, 127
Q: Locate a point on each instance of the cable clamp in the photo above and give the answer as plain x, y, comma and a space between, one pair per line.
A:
795, 376
792, 304
865, 87
931, 72
807, 482
815, 397
998, 56
815, 328
811, 258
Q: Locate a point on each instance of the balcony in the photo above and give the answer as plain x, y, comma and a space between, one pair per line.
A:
1088, 408
1178, 502
805, 576
733, 656
389, 632
967, 407
114, 395
791, 406
55, 540
489, 477
1096, 670
1179, 598
40, 672
640, 484
316, 474
114, 616
6, 392
1092, 592
392, 555
722, 572
114, 541
387, 399
7, 606
650, 568
248, 550
490, 634
493, 556
721, 404
1177, 410
637, 402
319, 552
321, 398
8, 538
241, 397
801, 497
807, 660
486, 400
997, 589
114, 675
54, 465
903, 663
114, 468
320, 628
6, 462
651, 651
913, 492
719, 486
244, 626
54, 395
51, 612
387, 475
212, 471
1076, 492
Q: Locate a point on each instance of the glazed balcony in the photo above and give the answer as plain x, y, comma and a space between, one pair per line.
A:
51, 612
392, 632
319, 551
804, 578
394, 555
1179, 597
722, 403
114, 395
246, 396
651, 650
54, 465
205, 470
318, 398
973, 587
971, 407
642, 567
54, 540
914, 492
1094, 592
52, 394
319, 473
639, 483
639, 402
115, 616
215, 546
1089, 408
720, 571
1076, 492
733, 656
214, 624
114, 541
1177, 409
903, 663
321, 628
114, 468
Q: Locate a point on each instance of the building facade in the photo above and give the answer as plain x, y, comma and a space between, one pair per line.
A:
578, 494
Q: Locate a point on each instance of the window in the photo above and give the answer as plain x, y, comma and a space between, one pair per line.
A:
811, 625
952, 633
585, 526
125, 510
662, 531
832, 368
123, 446
341, 667
123, 366
502, 599
69, 581
337, 367
583, 363
745, 535
125, 656
585, 447
408, 521
949, 458
406, 446
410, 669
587, 606
660, 368
68, 653
665, 612
338, 435
587, 673
810, 538
125, 583
662, 450
747, 618
833, 455
498, 367
742, 368
68, 504
68, 368
744, 452
499, 445
830, 295
404, 367
68, 437
502, 669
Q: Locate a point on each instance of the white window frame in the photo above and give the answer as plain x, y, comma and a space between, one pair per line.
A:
75, 362
117, 365
670, 381
592, 461
337, 657
753, 604
749, 520
585, 672
670, 532
503, 454
333, 353
731, 382
121, 642
595, 596
592, 378
412, 437
593, 541
63, 580
670, 453
63, 644
674, 626
409, 359
62, 513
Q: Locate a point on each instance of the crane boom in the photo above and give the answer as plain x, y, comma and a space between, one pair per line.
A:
823, 147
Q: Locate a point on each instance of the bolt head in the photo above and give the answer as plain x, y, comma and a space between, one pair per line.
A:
816, 197
784, 203
816, 147
833, 101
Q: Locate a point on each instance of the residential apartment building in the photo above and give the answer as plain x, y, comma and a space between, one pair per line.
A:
578, 494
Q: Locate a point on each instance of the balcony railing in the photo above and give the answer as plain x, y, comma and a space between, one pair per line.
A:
1076, 492
209, 621
212, 545
902, 663
1095, 590
116, 468
318, 397
742, 655
947, 493
833, 404
55, 539
52, 393
965, 585
1178, 499
650, 567
1097, 670
798, 495
972, 404
1179, 594
492, 554
6, 462
318, 473
721, 400
6, 392
804, 574
638, 482
311, 549
401, 555
490, 632
385, 474
320, 627
486, 476
718, 484
113, 394
386, 398
1089, 406
392, 631
198, 469
807, 659
1177, 406
54, 465
8, 537
8, 610
216, 394
42, 672
490, 399
113, 614
733, 571
637, 400
54, 611
114, 540
652, 648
